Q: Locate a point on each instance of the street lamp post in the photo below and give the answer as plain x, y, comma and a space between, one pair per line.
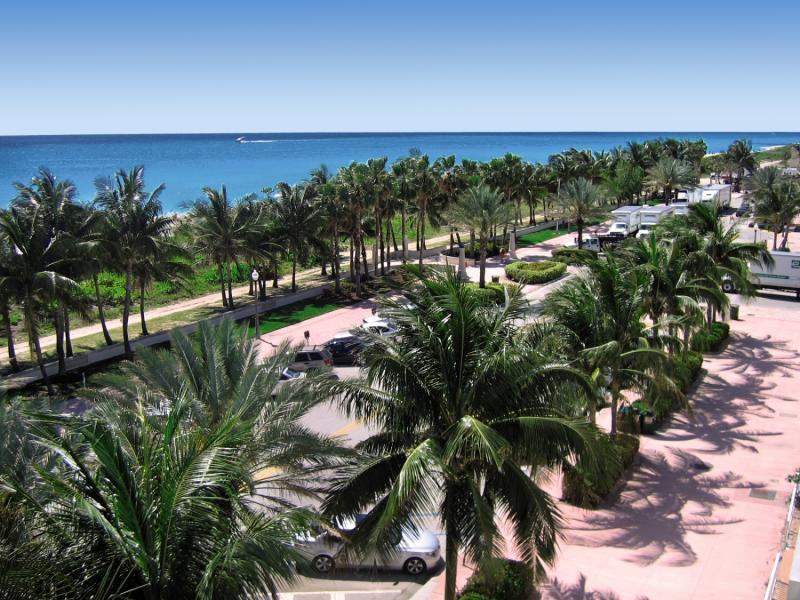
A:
255, 277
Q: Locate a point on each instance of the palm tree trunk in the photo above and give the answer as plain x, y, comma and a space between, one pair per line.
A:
67, 333
451, 560
775, 240
404, 233
59, 323
141, 308
579, 224
351, 266
294, 272
483, 265
222, 284
614, 405
365, 264
388, 247
12, 352
355, 263
230, 287
33, 336
100, 311
336, 264
126, 312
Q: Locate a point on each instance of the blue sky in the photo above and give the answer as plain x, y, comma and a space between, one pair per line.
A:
408, 65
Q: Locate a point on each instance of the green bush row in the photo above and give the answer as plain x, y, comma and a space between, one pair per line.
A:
499, 579
581, 488
573, 256
711, 340
535, 272
493, 293
686, 367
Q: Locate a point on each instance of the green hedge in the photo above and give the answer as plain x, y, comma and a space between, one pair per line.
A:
499, 579
711, 340
573, 256
686, 367
535, 272
580, 488
493, 293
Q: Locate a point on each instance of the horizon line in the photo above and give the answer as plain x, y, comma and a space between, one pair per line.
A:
397, 132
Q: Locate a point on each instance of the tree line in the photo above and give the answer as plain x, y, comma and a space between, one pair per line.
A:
50, 242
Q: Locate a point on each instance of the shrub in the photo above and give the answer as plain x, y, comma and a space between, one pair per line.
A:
493, 248
580, 488
535, 272
493, 293
500, 579
711, 340
573, 256
686, 367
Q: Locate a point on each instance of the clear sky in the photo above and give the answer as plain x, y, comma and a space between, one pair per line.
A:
406, 65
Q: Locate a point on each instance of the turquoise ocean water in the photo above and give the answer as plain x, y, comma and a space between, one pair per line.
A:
186, 163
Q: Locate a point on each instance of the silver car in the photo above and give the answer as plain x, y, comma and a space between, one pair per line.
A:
414, 553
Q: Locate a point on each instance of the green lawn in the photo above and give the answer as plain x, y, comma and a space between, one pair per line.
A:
537, 237
291, 315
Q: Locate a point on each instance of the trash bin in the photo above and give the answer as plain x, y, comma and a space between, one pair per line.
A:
734, 312
495, 278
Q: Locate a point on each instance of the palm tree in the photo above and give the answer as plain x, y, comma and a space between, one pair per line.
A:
9, 294
605, 309
297, 221
672, 291
462, 398
580, 198
670, 174
222, 230
717, 254
181, 483
134, 216
424, 185
741, 158
777, 202
167, 262
36, 258
482, 210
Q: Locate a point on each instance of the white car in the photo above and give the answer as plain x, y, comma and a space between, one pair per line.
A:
589, 243
414, 553
380, 326
618, 228
644, 231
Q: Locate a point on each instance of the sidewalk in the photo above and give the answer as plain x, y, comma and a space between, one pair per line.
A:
701, 513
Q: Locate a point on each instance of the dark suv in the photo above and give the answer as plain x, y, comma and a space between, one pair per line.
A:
345, 349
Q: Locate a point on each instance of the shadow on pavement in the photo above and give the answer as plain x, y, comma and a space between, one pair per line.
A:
557, 590
667, 497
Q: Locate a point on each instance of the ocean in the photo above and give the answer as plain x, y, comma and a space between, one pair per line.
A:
186, 163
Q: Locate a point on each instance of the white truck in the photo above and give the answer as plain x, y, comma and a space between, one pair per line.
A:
652, 216
690, 195
718, 193
783, 275
626, 221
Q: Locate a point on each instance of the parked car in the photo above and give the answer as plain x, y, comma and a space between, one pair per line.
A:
344, 348
380, 326
309, 359
414, 553
286, 376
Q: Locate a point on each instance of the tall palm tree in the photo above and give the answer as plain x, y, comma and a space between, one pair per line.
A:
298, 223
9, 294
580, 199
482, 210
36, 260
461, 399
670, 174
135, 216
507, 174
606, 308
222, 230
167, 262
424, 184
